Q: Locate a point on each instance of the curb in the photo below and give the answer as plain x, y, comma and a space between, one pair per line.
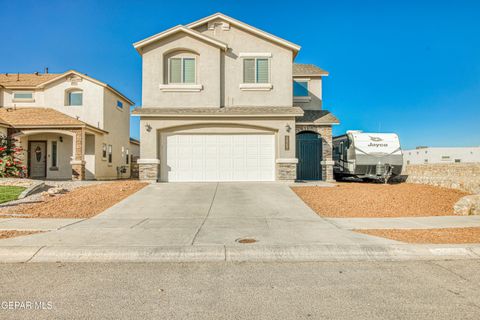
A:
220, 253
31, 189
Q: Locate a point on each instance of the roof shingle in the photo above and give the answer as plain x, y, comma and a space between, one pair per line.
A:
318, 117
300, 69
35, 116
25, 79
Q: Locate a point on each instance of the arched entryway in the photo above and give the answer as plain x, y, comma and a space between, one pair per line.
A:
309, 154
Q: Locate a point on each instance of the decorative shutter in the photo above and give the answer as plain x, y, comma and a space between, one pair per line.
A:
175, 70
189, 70
249, 71
262, 70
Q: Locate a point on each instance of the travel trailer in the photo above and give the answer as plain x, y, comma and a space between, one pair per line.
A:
368, 156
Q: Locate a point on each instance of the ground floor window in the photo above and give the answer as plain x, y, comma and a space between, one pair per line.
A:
127, 157
54, 154
109, 153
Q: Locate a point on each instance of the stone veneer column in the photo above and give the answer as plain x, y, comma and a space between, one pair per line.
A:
286, 170
326, 133
148, 169
78, 163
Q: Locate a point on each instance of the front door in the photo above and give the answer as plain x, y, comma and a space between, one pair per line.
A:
309, 154
37, 159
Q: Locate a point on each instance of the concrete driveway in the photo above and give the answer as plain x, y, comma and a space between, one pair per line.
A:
203, 214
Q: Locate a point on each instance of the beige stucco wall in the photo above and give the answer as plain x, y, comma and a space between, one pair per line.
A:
220, 73
118, 127
3, 130
207, 73
314, 101
135, 150
240, 41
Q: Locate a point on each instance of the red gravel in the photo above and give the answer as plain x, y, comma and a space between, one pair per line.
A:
433, 236
380, 200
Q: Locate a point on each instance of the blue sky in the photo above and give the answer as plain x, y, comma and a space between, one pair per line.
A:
409, 67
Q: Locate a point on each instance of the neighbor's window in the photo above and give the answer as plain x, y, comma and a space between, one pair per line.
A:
181, 70
54, 154
458, 160
109, 153
256, 70
127, 157
75, 98
119, 104
104, 151
444, 158
300, 88
23, 95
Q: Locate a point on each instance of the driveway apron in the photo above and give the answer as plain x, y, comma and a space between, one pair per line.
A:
190, 214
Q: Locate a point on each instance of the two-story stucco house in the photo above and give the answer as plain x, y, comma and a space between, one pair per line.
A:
70, 125
224, 101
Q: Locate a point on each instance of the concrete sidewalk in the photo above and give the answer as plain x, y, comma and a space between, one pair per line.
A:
407, 222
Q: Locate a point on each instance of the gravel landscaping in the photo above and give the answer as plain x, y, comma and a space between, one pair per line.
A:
357, 200
4, 234
82, 201
428, 236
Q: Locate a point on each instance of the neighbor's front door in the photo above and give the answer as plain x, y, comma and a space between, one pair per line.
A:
38, 158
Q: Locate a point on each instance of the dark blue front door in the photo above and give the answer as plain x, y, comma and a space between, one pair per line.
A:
309, 154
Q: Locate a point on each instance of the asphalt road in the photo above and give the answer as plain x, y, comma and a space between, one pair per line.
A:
327, 290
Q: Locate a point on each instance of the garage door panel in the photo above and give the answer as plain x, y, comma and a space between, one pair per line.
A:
216, 157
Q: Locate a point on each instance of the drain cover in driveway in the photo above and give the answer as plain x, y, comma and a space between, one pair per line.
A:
246, 240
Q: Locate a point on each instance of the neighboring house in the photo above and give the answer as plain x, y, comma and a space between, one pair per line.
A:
223, 101
134, 149
70, 125
424, 155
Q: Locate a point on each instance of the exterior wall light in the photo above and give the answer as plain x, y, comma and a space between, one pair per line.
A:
148, 127
288, 128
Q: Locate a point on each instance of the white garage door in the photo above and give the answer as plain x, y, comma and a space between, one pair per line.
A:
215, 157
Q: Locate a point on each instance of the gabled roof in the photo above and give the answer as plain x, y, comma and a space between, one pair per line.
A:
294, 47
317, 117
300, 69
40, 80
140, 44
35, 117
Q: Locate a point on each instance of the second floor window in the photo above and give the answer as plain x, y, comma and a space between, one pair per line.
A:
181, 70
300, 88
75, 98
256, 70
109, 153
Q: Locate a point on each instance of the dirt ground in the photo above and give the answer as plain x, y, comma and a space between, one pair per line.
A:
379, 200
4, 234
82, 202
431, 236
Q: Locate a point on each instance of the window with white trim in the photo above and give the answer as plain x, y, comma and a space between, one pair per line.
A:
256, 70
110, 153
182, 70
104, 151
74, 98
23, 95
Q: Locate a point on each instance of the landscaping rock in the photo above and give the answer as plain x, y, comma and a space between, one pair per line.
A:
468, 205
56, 190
